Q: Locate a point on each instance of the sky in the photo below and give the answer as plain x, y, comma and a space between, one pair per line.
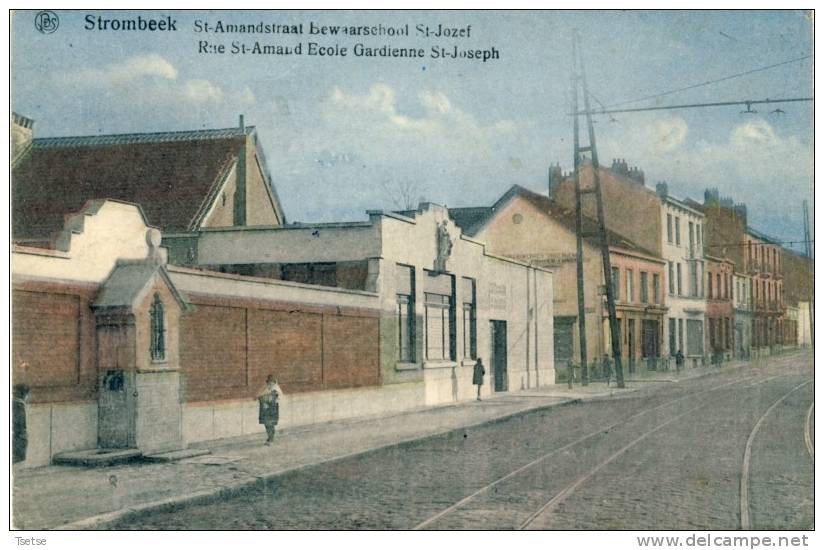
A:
347, 134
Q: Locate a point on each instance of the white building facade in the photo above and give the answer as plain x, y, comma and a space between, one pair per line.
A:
682, 247
742, 305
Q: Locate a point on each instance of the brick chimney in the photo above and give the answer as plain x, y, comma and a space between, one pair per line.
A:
636, 175
619, 166
22, 133
662, 189
555, 177
711, 197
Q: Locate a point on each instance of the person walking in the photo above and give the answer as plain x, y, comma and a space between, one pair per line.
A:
478, 375
269, 412
606, 366
679, 361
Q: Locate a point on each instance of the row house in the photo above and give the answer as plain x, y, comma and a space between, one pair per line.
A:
799, 291
764, 264
683, 250
742, 311
720, 312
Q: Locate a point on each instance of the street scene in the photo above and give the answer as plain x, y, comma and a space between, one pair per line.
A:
412, 270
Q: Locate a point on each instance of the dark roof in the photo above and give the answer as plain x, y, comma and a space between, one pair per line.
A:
471, 219
763, 236
130, 280
476, 217
171, 175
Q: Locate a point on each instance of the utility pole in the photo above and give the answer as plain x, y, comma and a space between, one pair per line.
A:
808, 250
579, 221
579, 79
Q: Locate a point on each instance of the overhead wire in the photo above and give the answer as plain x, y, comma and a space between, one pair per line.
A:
708, 82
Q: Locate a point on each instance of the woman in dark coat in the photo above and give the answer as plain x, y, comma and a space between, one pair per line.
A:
269, 412
478, 375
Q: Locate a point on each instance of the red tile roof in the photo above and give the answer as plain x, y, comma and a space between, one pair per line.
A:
170, 175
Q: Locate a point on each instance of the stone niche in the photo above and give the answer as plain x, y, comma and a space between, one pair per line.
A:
140, 399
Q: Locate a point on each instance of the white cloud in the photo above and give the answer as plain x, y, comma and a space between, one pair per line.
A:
129, 70
201, 90
670, 133
146, 78
374, 123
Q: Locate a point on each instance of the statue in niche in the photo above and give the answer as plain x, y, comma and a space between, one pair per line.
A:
444, 248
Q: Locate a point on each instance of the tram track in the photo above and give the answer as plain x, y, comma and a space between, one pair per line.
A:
570, 488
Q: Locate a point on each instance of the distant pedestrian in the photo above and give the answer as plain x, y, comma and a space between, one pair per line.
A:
20, 436
478, 375
606, 366
679, 361
269, 412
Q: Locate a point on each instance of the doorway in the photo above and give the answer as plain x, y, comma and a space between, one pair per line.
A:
498, 360
563, 332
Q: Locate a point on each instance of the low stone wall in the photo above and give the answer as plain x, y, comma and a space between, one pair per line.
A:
57, 427
208, 421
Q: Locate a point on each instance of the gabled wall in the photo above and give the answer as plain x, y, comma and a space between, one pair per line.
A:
630, 208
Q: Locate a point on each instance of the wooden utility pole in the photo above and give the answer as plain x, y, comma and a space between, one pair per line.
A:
579, 79
808, 250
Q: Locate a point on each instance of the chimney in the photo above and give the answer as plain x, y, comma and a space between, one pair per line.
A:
636, 174
619, 166
239, 211
740, 210
662, 189
22, 133
555, 177
711, 197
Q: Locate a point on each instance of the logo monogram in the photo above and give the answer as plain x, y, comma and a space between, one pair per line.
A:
46, 21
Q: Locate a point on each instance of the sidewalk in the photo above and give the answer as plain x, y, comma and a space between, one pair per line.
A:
66, 497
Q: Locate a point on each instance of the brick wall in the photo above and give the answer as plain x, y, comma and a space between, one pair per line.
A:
53, 331
229, 348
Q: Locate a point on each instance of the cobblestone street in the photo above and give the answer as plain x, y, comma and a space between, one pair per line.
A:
667, 457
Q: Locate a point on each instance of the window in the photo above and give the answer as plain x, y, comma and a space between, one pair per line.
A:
630, 289
677, 231
438, 326
470, 334
681, 335
693, 279
405, 314
709, 285
680, 288
671, 278
718, 292
644, 288
656, 288
158, 329
698, 233
669, 228
616, 283
692, 236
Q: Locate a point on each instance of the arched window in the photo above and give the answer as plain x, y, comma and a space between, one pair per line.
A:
158, 328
